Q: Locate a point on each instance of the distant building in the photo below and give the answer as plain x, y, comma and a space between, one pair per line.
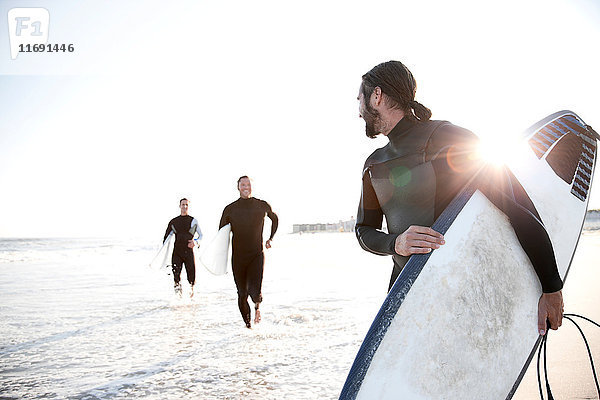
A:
341, 226
592, 220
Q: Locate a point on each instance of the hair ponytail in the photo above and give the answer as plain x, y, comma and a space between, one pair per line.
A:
421, 112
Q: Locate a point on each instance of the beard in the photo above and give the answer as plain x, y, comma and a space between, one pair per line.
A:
372, 121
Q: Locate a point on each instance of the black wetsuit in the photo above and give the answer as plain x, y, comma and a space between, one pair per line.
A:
247, 217
184, 227
414, 177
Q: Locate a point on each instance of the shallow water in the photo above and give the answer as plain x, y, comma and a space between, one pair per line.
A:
88, 319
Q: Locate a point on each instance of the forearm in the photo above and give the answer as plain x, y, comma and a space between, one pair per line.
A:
197, 230
536, 243
167, 232
274, 223
375, 241
368, 222
512, 199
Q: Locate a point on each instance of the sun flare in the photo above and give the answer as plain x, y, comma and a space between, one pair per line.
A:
500, 151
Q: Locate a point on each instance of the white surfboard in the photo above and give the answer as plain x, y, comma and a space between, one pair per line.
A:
461, 322
163, 257
214, 256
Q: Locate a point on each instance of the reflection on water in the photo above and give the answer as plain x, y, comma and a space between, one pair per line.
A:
90, 320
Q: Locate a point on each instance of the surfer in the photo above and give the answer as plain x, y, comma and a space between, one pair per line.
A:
414, 177
185, 227
247, 216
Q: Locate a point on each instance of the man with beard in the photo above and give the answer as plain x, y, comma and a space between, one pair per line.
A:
247, 216
426, 163
185, 227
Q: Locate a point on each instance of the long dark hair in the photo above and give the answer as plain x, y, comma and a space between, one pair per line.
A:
399, 85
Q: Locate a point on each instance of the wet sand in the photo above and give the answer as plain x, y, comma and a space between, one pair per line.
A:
569, 370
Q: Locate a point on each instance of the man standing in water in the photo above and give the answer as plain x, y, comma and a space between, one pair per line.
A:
425, 164
185, 227
247, 216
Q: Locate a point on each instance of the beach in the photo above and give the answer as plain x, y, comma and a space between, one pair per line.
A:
569, 370
89, 319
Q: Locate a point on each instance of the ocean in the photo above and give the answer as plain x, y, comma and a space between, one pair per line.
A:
89, 319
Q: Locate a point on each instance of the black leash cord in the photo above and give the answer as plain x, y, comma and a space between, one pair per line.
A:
539, 357
587, 346
543, 348
543, 345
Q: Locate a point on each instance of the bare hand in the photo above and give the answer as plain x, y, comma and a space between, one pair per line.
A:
191, 244
550, 307
268, 244
418, 240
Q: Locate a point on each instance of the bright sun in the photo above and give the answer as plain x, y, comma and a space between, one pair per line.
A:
500, 150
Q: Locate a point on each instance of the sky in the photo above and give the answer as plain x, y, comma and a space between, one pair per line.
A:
163, 100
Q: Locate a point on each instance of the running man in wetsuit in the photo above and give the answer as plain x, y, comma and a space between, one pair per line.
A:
414, 177
185, 227
247, 216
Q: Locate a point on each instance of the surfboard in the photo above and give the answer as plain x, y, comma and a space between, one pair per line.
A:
461, 321
162, 259
215, 255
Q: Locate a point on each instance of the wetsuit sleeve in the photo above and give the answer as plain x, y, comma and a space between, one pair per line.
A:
453, 152
224, 218
274, 220
197, 230
169, 230
368, 222
506, 193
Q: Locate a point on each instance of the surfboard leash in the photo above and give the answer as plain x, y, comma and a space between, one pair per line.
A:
542, 348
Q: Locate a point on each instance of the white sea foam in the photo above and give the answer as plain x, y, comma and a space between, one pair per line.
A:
88, 319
